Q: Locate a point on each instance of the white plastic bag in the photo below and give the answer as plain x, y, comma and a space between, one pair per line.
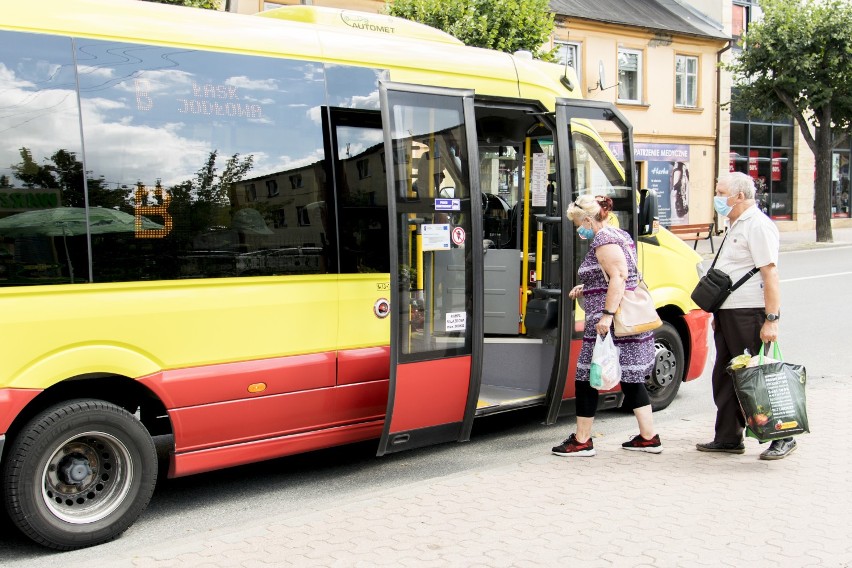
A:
605, 371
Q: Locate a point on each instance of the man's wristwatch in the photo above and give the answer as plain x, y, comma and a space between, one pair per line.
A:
607, 312
772, 317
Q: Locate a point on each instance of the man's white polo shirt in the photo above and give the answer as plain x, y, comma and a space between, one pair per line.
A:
752, 241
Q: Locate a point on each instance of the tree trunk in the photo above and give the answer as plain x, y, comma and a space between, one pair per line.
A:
822, 189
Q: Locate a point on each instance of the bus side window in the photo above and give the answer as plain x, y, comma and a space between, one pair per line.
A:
41, 167
219, 151
361, 193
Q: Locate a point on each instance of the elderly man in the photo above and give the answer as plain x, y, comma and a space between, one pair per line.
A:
750, 315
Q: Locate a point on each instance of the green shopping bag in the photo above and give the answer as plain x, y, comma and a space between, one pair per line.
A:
772, 397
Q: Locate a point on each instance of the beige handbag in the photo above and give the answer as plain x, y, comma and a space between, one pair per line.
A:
636, 312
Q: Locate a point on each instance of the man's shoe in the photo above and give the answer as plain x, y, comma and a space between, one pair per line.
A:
640, 444
571, 447
779, 449
725, 447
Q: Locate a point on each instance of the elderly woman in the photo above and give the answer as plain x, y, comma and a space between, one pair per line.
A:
608, 269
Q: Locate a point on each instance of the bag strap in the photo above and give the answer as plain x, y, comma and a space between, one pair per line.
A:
719, 250
632, 255
742, 280
776, 352
745, 277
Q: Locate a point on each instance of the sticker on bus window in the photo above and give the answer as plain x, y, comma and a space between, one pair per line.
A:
456, 321
447, 204
538, 180
435, 236
458, 236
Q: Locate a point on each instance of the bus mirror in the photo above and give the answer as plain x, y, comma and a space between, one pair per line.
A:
649, 214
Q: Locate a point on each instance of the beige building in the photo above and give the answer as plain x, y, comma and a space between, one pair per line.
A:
659, 67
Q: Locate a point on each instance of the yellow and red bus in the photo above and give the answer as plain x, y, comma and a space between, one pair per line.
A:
263, 235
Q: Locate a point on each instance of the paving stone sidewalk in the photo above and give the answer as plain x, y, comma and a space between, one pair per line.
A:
618, 509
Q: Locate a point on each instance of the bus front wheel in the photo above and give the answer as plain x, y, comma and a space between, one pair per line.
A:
79, 474
669, 366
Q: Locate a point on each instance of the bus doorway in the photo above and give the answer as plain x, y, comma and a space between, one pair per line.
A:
532, 165
522, 265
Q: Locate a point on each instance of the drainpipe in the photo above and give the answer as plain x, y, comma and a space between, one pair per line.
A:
719, 118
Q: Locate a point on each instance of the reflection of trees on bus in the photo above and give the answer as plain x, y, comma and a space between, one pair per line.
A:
198, 207
65, 172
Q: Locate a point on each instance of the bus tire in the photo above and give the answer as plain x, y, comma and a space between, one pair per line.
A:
79, 474
669, 366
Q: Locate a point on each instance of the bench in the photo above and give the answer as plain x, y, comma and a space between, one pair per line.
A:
697, 232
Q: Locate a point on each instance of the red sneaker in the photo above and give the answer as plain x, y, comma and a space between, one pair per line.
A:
640, 444
571, 447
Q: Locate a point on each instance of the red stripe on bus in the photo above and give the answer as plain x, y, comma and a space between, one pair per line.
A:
698, 323
256, 418
12, 401
429, 393
231, 381
217, 458
570, 391
361, 365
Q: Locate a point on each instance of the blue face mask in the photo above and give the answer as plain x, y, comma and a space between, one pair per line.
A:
720, 204
585, 233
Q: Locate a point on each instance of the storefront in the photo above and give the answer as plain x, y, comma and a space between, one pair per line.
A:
840, 182
764, 150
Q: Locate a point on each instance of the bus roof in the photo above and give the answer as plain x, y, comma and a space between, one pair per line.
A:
412, 52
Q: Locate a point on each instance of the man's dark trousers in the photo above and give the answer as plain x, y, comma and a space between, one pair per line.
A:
735, 331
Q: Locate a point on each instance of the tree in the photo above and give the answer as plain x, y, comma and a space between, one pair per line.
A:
504, 25
206, 4
798, 60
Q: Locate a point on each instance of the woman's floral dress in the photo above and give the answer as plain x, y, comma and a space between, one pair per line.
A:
637, 351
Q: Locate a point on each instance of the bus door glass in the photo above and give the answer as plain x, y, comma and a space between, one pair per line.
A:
435, 224
595, 155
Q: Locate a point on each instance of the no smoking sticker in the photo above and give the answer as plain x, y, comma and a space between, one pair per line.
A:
458, 236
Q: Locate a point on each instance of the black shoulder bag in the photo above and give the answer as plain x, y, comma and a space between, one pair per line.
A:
714, 287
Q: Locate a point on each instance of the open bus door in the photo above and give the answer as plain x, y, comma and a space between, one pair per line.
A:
435, 222
594, 142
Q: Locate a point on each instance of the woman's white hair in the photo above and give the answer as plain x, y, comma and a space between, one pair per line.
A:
738, 182
584, 206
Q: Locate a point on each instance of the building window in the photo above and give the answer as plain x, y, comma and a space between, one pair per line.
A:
363, 168
686, 81
739, 20
251, 192
568, 55
296, 181
302, 216
629, 76
271, 188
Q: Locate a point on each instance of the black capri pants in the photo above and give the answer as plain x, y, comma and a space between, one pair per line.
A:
635, 396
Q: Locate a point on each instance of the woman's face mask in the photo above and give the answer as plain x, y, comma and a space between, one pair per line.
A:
585, 233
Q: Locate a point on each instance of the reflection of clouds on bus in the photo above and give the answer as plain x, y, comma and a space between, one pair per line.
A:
156, 148
263, 166
371, 101
38, 118
244, 82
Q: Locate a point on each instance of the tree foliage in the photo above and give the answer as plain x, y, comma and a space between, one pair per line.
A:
206, 4
504, 25
798, 60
